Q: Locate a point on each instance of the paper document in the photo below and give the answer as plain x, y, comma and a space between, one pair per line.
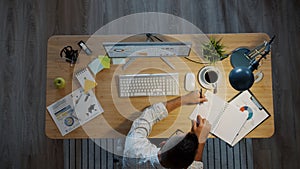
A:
74, 110
226, 119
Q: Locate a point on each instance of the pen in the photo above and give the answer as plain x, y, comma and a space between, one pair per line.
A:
201, 93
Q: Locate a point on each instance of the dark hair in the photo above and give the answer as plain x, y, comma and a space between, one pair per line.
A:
182, 155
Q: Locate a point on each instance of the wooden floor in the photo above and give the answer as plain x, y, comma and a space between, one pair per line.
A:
26, 25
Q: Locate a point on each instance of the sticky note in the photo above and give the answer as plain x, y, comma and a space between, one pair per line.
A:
105, 61
118, 61
88, 85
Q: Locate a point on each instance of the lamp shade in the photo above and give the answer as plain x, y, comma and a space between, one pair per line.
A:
241, 78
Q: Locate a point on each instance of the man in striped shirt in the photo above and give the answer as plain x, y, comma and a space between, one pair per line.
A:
179, 151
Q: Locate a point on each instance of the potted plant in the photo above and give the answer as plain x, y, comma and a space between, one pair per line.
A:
209, 75
213, 51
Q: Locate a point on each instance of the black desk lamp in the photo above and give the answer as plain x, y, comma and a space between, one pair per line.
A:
241, 77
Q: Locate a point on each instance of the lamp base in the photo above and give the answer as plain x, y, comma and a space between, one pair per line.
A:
239, 57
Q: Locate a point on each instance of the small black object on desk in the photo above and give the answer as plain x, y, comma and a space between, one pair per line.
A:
84, 47
69, 54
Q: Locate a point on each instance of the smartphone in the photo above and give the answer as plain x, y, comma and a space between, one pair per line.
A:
84, 47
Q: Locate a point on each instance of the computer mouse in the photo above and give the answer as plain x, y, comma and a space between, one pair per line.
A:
189, 81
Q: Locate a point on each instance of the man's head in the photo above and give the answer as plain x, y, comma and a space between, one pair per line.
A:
179, 151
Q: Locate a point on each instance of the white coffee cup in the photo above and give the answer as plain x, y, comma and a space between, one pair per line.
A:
208, 77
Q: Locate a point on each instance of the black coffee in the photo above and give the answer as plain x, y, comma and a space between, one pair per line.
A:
211, 76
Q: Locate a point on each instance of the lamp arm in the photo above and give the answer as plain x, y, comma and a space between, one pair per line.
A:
268, 46
254, 65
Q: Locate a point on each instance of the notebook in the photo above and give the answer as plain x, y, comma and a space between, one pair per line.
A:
86, 79
226, 119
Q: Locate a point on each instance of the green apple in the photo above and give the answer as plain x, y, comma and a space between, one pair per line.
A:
59, 82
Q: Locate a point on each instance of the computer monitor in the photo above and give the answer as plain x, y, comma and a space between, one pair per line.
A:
135, 50
147, 49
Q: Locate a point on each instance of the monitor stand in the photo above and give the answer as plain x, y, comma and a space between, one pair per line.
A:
167, 62
162, 58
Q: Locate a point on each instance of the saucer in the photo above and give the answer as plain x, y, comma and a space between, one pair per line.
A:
201, 77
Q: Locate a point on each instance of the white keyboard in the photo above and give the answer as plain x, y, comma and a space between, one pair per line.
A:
162, 84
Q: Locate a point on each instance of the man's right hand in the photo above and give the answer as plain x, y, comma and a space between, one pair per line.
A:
201, 128
193, 98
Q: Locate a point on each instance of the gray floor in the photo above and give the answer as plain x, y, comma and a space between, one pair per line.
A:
26, 25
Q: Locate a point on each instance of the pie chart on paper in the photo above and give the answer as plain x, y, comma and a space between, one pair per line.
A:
247, 109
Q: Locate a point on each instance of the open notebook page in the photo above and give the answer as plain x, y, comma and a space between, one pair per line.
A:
230, 124
226, 119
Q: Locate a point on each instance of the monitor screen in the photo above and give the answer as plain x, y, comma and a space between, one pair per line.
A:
147, 49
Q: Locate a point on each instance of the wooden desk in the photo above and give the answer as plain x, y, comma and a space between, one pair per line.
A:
120, 112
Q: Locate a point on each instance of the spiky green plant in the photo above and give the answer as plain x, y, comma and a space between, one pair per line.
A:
213, 51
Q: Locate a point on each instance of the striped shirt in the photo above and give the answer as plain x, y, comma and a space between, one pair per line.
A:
139, 152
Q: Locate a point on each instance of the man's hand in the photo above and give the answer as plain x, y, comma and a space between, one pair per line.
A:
201, 128
193, 98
